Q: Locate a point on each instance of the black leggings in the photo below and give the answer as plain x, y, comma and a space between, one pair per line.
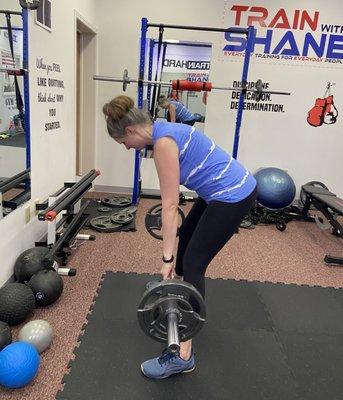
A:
190, 122
206, 229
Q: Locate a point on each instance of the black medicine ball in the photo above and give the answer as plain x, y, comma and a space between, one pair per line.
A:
47, 287
16, 303
30, 262
5, 335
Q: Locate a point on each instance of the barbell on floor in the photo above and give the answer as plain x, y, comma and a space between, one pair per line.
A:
171, 311
189, 85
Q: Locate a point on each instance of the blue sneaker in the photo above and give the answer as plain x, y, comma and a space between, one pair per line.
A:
167, 364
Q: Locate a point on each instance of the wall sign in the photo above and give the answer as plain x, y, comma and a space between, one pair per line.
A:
50, 93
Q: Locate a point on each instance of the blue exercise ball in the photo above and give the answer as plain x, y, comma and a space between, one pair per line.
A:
19, 364
275, 188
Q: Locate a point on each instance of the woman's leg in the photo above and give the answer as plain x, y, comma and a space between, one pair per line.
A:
207, 225
218, 223
186, 231
214, 229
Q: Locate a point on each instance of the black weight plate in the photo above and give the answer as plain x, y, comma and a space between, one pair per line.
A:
104, 224
153, 220
129, 210
126, 79
104, 209
190, 304
122, 218
117, 201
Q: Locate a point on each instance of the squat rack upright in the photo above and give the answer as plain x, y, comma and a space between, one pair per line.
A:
249, 32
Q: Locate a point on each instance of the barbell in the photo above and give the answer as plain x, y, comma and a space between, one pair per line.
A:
189, 85
171, 311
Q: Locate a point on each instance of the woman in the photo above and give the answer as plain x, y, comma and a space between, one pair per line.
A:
226, 193
176, 111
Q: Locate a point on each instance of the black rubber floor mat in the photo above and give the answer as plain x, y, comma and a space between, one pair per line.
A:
256, 344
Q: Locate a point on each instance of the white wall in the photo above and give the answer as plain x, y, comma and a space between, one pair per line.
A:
52, 153
283, 139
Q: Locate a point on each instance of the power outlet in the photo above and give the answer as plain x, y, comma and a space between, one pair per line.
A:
27, 214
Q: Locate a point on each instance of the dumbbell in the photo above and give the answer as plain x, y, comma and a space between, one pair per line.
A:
172, 311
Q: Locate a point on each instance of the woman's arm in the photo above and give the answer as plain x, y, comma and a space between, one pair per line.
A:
166, 156
172, 113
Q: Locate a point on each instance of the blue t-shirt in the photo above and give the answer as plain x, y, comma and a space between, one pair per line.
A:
204, 167
182, 113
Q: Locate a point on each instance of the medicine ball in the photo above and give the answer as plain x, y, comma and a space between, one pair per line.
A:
275, 188
30, 262
47, 287
5, 335
19, 364
39, 333
16, 303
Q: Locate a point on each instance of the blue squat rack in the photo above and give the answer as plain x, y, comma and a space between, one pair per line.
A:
249, 32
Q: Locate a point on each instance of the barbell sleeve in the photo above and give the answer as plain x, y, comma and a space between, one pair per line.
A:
251, 90
173, 332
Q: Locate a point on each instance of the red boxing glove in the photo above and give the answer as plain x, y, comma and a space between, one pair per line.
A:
315, 116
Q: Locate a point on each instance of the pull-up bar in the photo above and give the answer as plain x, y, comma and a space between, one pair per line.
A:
199, 28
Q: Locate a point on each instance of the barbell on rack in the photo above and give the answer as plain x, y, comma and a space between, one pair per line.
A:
189, 85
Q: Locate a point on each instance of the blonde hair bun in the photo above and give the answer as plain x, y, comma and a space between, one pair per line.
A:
118, 107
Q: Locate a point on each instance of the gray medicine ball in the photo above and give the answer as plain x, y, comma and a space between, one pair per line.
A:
39, 333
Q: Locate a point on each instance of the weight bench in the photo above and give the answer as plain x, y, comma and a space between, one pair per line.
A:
331, 207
